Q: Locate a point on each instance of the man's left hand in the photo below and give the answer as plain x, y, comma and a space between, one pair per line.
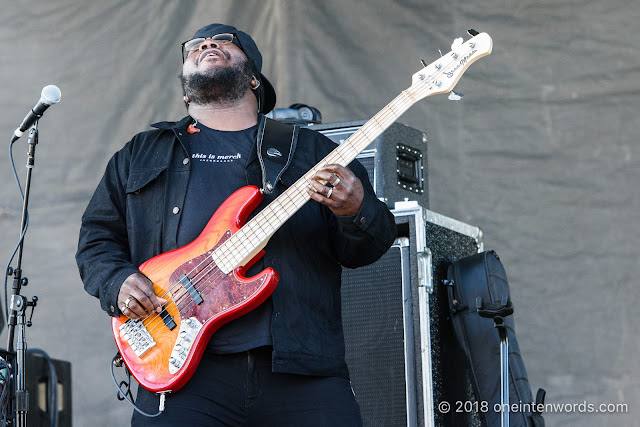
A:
336, 187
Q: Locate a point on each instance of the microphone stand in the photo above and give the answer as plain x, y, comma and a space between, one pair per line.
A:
19, 303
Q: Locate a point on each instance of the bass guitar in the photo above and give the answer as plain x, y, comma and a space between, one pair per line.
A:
204, 282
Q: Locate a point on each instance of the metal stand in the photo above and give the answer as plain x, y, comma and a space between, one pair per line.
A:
497, 312
19, 303
504, 372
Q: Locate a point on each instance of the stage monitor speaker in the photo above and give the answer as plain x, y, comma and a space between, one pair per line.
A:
37, 381
448, 240
396, 161
394, 325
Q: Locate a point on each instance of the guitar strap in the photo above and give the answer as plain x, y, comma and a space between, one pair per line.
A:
276, 145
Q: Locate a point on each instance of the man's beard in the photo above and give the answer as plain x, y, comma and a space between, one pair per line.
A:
218, 85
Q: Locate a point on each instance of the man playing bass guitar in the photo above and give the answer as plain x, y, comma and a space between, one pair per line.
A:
280, 359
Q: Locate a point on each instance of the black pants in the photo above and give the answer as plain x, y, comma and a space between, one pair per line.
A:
240, 390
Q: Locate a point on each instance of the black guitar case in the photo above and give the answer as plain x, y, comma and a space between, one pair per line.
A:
478, 292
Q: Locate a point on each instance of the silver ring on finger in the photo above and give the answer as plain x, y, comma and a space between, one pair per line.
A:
330, 192
337, 181
128, 301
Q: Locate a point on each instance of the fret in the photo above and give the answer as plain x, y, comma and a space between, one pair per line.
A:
392, 110
359, 145
221, 261
346, 156
297, 195
226, 252
273, 218
286, 206
256, 223
288, 202
339, 156
350, 150
369, 133
268, 226
405, 93
259, 237
253, 238
277, 211
222, 253
242, 239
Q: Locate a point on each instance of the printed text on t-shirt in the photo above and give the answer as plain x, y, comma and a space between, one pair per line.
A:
216, 158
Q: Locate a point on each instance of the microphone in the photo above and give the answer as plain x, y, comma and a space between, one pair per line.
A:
50, 95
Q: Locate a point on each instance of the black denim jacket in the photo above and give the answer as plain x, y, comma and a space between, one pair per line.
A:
134, 215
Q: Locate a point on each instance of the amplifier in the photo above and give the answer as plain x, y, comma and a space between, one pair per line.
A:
396, 161
448, 240
396, 323
38, 381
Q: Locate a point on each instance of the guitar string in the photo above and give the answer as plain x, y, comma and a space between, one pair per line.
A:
381, 115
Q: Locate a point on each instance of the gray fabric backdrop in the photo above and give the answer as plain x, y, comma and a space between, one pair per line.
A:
542, 154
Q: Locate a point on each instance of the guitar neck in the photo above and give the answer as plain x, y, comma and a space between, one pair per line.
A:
255, 234
438, 77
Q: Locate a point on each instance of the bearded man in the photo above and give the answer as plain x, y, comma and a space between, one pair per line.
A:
282, 363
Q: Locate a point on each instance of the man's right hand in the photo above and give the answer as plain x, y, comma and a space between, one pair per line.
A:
137, 298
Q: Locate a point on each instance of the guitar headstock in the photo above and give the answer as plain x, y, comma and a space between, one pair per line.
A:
442, 75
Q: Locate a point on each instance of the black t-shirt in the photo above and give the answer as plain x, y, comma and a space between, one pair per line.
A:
218, 162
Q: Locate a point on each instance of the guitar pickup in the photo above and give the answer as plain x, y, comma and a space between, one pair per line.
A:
168, 319
193, 293
189, 329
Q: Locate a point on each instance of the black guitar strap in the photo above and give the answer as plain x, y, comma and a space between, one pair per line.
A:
276, 145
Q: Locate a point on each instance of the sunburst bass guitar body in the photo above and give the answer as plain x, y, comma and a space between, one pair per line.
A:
163, 350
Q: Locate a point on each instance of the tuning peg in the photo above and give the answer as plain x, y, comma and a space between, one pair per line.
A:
472, 32
456, 43
423, 62
453, 96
